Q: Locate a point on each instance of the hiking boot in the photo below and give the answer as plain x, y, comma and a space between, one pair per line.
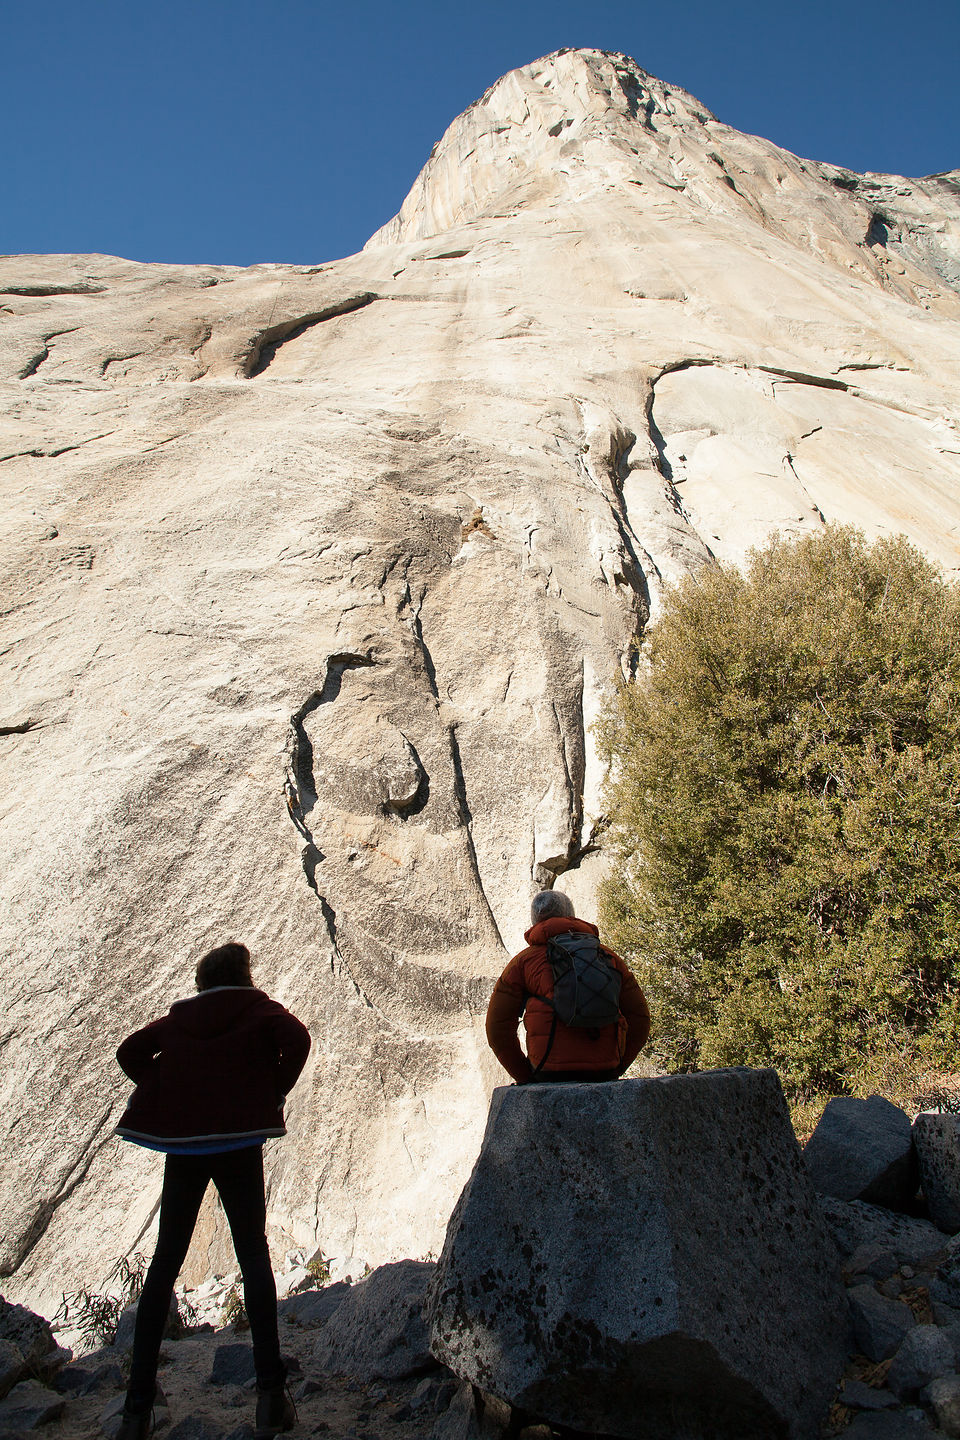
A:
275, 1412
135, 1425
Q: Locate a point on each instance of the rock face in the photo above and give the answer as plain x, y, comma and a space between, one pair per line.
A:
863, 1150
313, 578
644, 1258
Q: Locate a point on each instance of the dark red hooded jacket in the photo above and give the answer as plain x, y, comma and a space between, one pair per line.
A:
217, 1067
524, 989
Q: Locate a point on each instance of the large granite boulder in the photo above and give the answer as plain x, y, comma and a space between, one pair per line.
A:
862, 1150
937, 1142
645, 1258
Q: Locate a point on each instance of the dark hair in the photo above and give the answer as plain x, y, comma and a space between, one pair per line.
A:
226, 965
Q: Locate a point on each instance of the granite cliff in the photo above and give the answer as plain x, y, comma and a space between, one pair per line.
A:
313, 578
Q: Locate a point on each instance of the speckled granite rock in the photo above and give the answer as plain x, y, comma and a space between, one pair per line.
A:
640, 1257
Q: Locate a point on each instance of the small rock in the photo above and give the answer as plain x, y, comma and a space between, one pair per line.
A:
313, 1307
877, 1261
242, 1432
862, 1150
82, 1380
945, 1285
28, 1405
926, 1352
295, 1281
233, 1365
854, 1223
123, 1340
865, 1397
943, 1393
309, 1386
423, 1394
879, 1325
465, 1420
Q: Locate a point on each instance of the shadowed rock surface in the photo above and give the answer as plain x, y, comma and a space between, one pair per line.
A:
313, 578
863, 1150
645, 1258
937, 1141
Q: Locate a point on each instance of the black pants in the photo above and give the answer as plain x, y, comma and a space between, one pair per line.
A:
238, 1176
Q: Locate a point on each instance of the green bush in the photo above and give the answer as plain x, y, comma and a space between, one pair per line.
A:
784, 798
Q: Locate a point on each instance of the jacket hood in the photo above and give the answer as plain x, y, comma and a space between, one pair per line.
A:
212, 1012
540, 933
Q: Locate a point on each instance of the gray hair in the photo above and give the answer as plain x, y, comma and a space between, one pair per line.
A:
548, 904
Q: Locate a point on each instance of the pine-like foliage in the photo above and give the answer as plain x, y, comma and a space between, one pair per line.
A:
785, 808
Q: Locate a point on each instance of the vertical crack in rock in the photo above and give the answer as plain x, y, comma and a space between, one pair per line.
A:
622, 442
46, 1209
300, 786
662, 461
300, 792
572, 740
415, 626
466, 817
788, 460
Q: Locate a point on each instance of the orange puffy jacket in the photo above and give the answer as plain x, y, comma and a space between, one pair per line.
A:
523, 989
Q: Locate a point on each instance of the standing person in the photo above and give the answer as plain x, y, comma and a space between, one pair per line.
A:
212, 1077
555, 1051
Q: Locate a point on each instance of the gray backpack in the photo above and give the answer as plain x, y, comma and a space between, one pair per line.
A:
586, 984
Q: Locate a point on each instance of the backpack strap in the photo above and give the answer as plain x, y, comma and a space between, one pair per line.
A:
553, 1031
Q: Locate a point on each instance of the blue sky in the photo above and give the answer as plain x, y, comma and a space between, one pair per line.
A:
228, 131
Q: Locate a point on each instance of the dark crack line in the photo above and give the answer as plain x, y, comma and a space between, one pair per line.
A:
662, 463
416, 629
300, 787
264, 349
810, 500
633, 571
800, 377
466, 816
35, 361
